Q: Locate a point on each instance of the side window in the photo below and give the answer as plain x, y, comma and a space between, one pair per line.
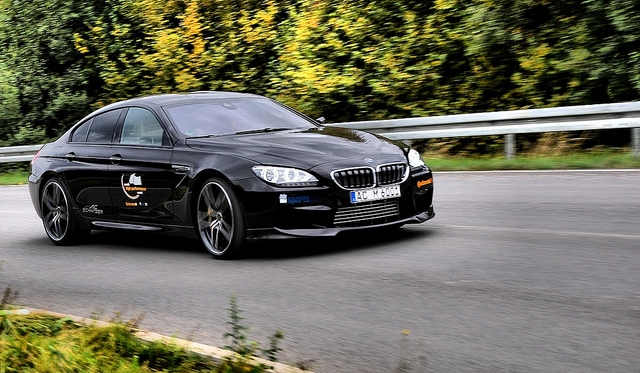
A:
142, 128
103, 125
80, 134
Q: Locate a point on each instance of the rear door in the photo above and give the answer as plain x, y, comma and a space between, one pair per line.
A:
140, 174
88, 157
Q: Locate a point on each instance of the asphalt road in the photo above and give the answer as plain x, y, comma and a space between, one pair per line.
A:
518, 272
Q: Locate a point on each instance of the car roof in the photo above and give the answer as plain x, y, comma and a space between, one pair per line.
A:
176, 98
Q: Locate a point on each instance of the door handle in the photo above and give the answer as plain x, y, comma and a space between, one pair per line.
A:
70, 156
115, 159
180, 169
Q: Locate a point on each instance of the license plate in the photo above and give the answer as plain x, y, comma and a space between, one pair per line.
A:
375, 194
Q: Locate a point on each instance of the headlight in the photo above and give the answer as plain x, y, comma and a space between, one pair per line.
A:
415, 160
284, 176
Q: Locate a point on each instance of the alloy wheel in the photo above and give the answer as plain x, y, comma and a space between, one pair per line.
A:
216, 219
55, 211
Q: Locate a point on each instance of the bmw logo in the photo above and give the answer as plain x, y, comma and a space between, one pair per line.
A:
369, 160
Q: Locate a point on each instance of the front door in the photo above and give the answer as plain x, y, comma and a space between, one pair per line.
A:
140, 174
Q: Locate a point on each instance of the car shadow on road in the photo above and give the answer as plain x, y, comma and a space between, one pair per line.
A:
130, 241
143, 241
347, 242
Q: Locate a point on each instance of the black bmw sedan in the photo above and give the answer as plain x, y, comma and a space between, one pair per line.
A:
232, 166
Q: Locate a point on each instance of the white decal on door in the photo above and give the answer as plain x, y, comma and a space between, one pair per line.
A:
133, 188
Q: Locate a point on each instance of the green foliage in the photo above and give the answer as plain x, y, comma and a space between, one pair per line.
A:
382, 59
273, 350
8, 296
239, 344
23, 135
42, 63
237, 334
9, 102
45, 343
342, 59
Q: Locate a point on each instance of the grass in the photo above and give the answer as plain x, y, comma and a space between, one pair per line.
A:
41, 342
590, 160
44, 343
14, 178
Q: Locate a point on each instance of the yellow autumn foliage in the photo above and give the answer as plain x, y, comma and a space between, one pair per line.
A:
354, 60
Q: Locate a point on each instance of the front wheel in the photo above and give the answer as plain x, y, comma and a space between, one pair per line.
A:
219, 219
57, 217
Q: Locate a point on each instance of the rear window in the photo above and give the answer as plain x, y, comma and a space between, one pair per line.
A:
103, 126
80, 134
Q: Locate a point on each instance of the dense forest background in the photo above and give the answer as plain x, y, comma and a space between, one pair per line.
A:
342, 59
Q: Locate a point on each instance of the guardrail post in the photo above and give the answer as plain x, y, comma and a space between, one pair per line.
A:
635, 142
510, 145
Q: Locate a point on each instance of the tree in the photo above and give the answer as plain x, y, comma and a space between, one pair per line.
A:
9, 104
47, 72
614, 72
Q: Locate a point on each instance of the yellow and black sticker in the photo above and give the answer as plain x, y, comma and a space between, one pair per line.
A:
423, 183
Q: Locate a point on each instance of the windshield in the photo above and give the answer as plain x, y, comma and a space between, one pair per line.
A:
218, 117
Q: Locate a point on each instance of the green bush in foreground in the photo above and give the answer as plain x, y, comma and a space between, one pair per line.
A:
46, 343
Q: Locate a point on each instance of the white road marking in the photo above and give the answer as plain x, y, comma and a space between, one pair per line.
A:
545, 231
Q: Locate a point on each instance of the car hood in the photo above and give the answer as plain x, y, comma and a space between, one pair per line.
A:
305, 149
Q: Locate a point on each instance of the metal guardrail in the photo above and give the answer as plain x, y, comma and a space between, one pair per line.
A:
507, 123
18, 153
511, 123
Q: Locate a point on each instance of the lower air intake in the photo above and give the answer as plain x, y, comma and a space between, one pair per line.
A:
367, 214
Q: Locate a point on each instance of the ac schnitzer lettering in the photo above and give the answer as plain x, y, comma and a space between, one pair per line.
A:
93, 209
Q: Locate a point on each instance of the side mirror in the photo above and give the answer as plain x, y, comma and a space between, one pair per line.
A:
321, 120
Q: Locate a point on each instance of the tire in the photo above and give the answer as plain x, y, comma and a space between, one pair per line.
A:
57, 215
219, 220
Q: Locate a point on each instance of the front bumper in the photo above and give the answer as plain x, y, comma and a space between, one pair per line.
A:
279, 233
328, 211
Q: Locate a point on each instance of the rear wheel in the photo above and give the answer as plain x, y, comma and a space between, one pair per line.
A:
219, 219
57, 217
